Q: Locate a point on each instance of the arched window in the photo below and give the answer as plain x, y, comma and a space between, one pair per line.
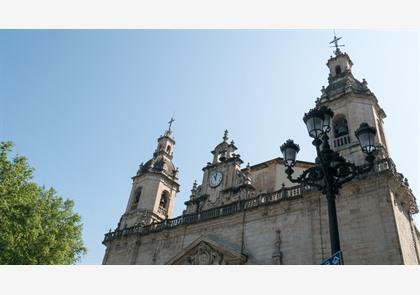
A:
222, 156
340, 126
168, 149
337, 70
164, 198
136, 200
138, 195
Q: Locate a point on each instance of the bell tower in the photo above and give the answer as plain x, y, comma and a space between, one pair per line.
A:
154, 188
352, 103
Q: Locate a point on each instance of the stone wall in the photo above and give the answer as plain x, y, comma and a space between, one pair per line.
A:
406, 235
269, 176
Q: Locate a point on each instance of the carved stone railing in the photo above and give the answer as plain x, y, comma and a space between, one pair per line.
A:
385, 164
342, 140
229, 209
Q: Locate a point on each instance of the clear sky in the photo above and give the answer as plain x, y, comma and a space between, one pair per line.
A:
86, 107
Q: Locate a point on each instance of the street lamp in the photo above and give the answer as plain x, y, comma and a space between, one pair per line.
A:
331, 170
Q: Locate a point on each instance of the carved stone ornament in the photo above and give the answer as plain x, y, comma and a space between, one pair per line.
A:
206, 255
240, 178
206, 251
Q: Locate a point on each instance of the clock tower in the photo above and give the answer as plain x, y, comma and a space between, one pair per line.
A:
223, 178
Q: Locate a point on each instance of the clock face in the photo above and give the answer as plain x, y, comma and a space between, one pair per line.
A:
216, 178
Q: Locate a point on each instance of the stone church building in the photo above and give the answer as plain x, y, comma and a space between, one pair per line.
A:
255, 215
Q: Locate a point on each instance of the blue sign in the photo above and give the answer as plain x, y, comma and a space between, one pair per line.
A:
336, 259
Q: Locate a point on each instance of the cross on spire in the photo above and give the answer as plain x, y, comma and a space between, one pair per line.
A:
336, 45
170, 123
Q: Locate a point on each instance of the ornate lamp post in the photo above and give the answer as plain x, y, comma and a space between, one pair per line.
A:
331, 170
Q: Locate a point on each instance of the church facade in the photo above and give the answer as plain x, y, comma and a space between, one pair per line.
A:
255, 215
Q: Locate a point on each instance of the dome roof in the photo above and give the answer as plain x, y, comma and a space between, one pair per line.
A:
158, 164
341, 85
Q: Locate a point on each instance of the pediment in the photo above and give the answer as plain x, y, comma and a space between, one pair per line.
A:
206, 251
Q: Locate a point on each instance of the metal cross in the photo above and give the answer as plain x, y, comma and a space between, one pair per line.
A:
170, 123
336, 45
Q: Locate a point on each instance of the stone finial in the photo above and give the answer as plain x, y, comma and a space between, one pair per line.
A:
277, 254
140, 168
225, 136
248, 168
323, 91
232, 142
194, 185
364, 83
247, 174
194, 190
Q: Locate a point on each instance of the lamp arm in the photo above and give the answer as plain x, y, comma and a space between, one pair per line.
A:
342, 181
317, 185
309, 177
294, 180
289, 171
347, 171
362, 169
305, 182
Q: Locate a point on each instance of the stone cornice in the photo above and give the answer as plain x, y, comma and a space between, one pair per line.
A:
172, 180
279, 160
235, 159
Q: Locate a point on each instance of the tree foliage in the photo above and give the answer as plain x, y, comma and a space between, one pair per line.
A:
36, 225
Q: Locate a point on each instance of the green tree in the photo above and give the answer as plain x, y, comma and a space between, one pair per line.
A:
36, 225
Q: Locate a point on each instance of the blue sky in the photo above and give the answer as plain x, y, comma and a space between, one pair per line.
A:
86, 107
